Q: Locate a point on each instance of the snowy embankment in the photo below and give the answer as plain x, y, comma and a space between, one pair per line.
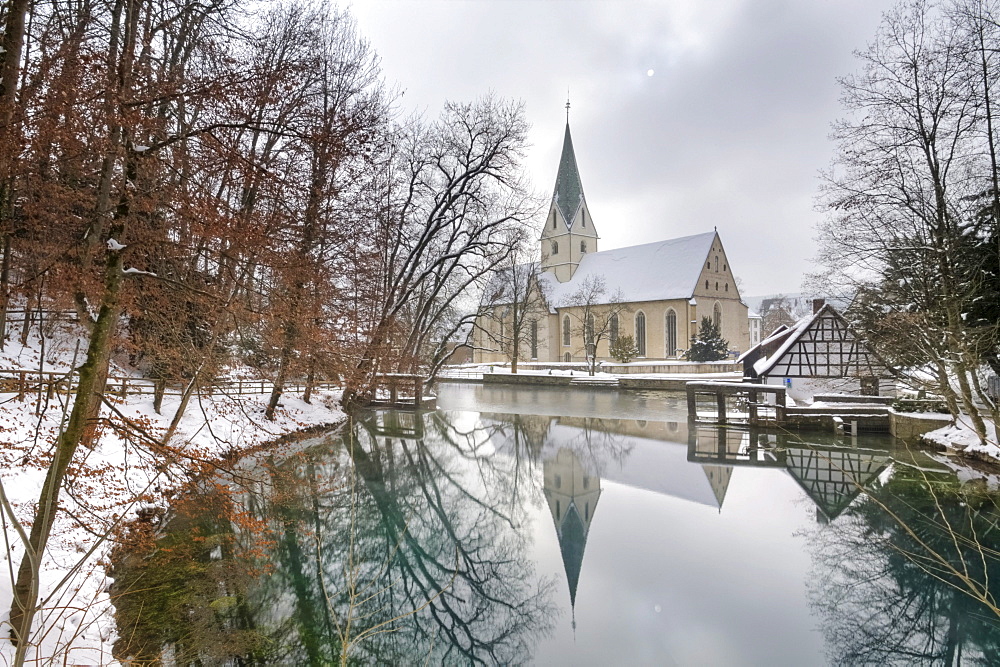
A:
126, 470
961, 439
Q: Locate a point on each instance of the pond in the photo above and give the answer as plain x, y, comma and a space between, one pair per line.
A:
555, 526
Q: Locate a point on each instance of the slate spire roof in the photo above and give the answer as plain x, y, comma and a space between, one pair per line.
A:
568, 194
572, 535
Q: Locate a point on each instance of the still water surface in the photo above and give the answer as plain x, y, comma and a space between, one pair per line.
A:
568, 527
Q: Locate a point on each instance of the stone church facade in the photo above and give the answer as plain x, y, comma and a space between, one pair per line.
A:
656, 292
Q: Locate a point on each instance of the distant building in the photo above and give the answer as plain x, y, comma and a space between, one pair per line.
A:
667, 287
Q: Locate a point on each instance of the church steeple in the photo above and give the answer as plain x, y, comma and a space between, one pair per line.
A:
569, 231
568, 193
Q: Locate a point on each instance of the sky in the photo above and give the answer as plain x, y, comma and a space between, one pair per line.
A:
685, 114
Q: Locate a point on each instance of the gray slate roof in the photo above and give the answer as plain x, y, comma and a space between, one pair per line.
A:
568, 194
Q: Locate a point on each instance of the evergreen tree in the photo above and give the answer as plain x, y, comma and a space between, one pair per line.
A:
623, 349
708, 345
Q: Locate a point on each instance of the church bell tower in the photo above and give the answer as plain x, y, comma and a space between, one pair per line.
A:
569, 233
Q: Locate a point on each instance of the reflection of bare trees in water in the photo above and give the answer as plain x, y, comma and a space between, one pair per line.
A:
906, 576
387, 550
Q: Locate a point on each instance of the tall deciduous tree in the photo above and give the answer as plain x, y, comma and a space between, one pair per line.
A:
914, 174
453, 192
513, 303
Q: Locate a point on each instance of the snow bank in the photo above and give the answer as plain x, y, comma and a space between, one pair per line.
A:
112, 481
960, 437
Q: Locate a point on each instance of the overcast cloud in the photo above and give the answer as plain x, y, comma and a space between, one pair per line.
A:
730, 131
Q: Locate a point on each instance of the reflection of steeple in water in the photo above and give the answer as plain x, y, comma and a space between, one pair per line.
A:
718, 479
572, 494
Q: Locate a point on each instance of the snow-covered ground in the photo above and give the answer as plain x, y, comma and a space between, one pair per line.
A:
111, 481
961, 438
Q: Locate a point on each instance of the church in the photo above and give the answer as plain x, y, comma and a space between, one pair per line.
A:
656, 292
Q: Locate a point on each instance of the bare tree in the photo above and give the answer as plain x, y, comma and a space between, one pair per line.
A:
454, 191
513, 304
596, 315
905, 201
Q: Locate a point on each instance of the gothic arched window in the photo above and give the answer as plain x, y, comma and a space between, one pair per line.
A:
717, 315
555, 247
566, 340
671, 333
640, 333
613, 337
534, 339
583, 246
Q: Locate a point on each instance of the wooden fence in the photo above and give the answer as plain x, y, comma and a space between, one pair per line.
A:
23, 382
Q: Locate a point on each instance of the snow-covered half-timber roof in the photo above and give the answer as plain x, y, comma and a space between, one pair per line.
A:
822, 345
650, 272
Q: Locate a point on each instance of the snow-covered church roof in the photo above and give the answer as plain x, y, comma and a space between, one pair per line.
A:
650, 272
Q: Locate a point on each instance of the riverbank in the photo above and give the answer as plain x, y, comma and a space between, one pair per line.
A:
127, 470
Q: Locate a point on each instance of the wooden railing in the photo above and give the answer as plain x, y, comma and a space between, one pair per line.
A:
23, 382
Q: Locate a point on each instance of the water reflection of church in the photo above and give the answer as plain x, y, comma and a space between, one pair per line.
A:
668, 458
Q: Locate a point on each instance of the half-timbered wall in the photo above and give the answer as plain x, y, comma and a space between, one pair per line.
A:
827, 358
828, 349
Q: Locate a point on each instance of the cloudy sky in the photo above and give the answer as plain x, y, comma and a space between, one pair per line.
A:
730, 130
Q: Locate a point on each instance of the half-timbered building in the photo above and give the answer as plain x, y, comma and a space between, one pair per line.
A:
820, 355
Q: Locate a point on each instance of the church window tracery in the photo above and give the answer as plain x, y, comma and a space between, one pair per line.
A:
717, 315
640, 333
566, 339
613, 338
555, 247
671, 333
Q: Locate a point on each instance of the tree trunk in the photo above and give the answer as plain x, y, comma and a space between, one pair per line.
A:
283, 364
4, 289
310, 381
80, 428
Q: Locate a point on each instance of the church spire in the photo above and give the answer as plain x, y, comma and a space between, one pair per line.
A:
568, 193
568, 234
